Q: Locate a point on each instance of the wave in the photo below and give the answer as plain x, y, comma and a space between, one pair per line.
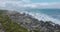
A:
41, 16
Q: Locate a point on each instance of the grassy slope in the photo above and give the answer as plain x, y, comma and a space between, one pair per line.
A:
1, 11
8, 25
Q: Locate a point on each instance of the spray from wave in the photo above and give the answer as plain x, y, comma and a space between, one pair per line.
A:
41, 16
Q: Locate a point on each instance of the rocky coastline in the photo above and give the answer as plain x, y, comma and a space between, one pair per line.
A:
32, 24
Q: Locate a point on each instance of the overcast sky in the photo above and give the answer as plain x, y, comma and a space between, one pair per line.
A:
29, 4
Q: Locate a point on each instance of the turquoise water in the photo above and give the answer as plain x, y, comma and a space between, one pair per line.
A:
44, 14
46, 11
50, 11
55, 13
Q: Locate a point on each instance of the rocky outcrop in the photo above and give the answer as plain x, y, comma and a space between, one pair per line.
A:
32, 24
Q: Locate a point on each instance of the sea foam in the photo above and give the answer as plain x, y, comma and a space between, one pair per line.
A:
41, 16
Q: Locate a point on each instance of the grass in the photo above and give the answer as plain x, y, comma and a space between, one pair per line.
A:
9, 26
1, 11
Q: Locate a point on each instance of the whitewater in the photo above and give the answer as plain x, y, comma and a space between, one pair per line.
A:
41, 16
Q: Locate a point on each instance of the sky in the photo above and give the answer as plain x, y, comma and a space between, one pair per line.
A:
29, 4
34, 4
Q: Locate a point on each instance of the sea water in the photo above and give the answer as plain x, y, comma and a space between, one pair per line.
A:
44, 14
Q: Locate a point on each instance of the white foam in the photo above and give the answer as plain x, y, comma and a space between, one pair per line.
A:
41, 16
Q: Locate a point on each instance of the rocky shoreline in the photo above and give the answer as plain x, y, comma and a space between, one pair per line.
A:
32, 24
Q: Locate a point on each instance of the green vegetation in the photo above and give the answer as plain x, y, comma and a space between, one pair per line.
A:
1, 11
9, 26
36, 30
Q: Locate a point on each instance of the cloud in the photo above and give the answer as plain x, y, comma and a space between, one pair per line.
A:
26, 0
10, 0
16, 0
2, 4
35, 5
10, 4
13, 3
43, 5
22, 4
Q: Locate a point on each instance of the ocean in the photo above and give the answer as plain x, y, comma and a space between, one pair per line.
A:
44, 14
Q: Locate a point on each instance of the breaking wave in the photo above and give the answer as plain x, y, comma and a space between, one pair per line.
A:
41, 16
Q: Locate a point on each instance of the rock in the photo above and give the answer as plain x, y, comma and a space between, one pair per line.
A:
27, 21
